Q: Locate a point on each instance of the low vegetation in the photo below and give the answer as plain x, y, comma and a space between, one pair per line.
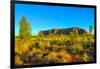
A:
54, 49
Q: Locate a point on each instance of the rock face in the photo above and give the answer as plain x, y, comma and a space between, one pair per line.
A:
65, 31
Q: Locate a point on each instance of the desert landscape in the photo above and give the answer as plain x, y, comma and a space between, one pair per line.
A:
53, 46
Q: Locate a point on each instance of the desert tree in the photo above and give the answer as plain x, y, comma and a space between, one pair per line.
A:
24, 29
75, 31
90, 29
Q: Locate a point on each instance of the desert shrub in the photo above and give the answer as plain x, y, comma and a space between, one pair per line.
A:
48, 44
18, 60
84, 44
52, 61
63, 56
56, 49
85, 57
34, 50
36, 44
68, 43
26, 59
51, 55
24, 47
77, 49
53, 42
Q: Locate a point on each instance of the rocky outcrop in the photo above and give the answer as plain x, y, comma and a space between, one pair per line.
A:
65, 31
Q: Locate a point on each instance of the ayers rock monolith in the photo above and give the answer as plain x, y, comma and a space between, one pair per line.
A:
65, 31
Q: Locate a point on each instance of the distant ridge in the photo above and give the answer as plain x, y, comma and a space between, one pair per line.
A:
65, 31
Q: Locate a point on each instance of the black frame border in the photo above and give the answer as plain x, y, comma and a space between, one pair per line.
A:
12, 30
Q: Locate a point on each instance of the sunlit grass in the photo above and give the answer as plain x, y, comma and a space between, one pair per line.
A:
54, 49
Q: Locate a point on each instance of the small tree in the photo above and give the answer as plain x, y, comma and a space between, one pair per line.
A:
90, 29
24, 29
75, 31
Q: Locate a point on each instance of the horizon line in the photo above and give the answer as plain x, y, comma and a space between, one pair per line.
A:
35, 34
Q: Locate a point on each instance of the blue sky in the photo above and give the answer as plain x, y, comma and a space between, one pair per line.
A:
43, 17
